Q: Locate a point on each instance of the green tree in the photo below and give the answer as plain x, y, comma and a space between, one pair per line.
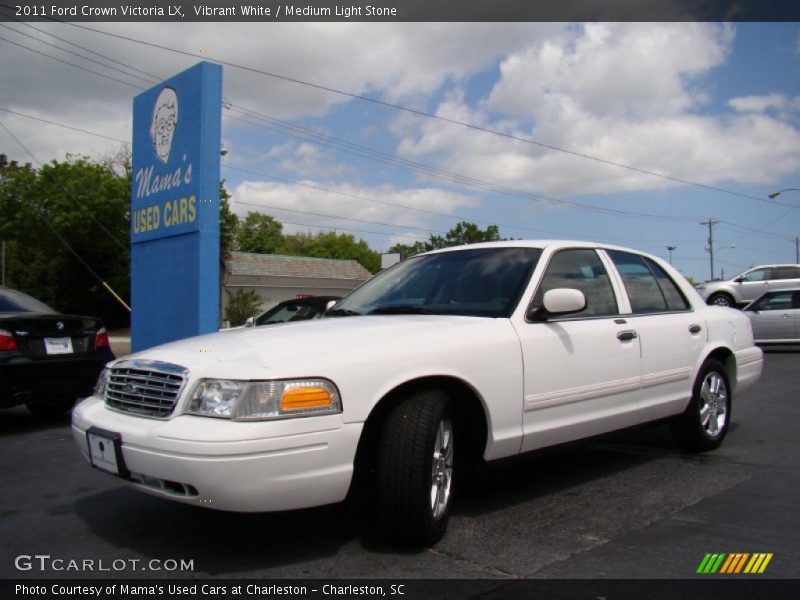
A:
51, 216
331, 245
259, 233
228, 221
463, 233
241, 305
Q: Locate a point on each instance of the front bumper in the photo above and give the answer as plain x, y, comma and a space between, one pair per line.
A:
238, 466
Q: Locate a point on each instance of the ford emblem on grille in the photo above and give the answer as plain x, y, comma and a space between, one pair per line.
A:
145, 387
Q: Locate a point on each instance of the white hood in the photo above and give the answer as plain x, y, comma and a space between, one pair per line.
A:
310, 345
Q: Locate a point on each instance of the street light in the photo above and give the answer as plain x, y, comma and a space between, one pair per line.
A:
671, 248
718, 250
796, 238
779, 192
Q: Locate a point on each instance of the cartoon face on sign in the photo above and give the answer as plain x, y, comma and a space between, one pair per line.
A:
165, 119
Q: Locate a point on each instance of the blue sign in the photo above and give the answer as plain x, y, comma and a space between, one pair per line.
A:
175, 208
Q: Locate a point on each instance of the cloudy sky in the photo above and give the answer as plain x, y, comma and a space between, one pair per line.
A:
623, 133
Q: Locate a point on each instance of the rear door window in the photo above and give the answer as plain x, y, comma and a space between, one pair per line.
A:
650, 289
786, 273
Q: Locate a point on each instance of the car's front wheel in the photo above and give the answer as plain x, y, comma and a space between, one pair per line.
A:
415, 468
721, 299
705, 422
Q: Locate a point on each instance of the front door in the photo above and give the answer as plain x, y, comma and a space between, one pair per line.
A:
582, 372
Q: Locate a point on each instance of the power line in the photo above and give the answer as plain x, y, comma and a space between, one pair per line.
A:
71, 64
326, 216
456, 177
372, 154
340, 192
68, 246
423, 113
86, 131
149, 76
150, 81
36, 160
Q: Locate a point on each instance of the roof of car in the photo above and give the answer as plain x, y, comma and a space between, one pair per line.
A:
555, 244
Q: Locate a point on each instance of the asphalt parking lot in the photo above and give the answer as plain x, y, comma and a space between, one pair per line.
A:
632, 506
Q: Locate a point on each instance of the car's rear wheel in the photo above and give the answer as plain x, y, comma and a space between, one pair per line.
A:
721, 299
415, 468
705, 422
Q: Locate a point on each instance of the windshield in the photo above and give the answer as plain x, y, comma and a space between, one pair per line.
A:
486, 282
13, 301
291, 311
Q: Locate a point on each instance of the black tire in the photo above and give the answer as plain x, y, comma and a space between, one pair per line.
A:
721, 299
415, 468
705, 422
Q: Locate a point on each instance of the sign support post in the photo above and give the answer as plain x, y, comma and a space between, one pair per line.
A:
175, 208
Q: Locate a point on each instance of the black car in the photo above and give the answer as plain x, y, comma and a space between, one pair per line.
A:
47, 359
299, 309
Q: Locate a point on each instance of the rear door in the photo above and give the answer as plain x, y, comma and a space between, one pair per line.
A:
784, 277
671, 335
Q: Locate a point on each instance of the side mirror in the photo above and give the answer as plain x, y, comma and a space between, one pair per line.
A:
251, 322
329, 305
739, 280
558, 302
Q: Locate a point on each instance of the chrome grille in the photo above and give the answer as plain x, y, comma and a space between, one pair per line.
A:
147, 388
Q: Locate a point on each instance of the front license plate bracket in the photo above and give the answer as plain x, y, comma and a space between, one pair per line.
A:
105, 451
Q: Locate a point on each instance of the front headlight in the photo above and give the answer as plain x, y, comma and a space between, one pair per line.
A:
259, 400
102, 382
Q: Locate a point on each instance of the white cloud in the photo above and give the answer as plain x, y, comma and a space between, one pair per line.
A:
625, 93
635, 70
374, 209
761, 104
630, 93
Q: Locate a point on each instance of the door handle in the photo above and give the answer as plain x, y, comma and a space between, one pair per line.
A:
626, 336
695, 329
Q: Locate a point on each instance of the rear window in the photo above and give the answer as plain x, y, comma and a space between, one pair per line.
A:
786, 273
649, 287
14, 301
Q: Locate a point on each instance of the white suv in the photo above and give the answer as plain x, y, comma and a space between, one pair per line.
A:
747, 286
446, 359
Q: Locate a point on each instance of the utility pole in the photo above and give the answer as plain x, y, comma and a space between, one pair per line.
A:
797, 249
710, 223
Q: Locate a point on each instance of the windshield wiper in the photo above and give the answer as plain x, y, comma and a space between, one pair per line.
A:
402, 309
342, 312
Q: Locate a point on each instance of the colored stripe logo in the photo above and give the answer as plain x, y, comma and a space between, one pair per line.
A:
735, 563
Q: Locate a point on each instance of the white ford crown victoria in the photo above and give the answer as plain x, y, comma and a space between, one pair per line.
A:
476, 352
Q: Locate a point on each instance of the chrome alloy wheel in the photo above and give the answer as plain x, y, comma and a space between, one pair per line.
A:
713, 404
721, 300
442, 468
